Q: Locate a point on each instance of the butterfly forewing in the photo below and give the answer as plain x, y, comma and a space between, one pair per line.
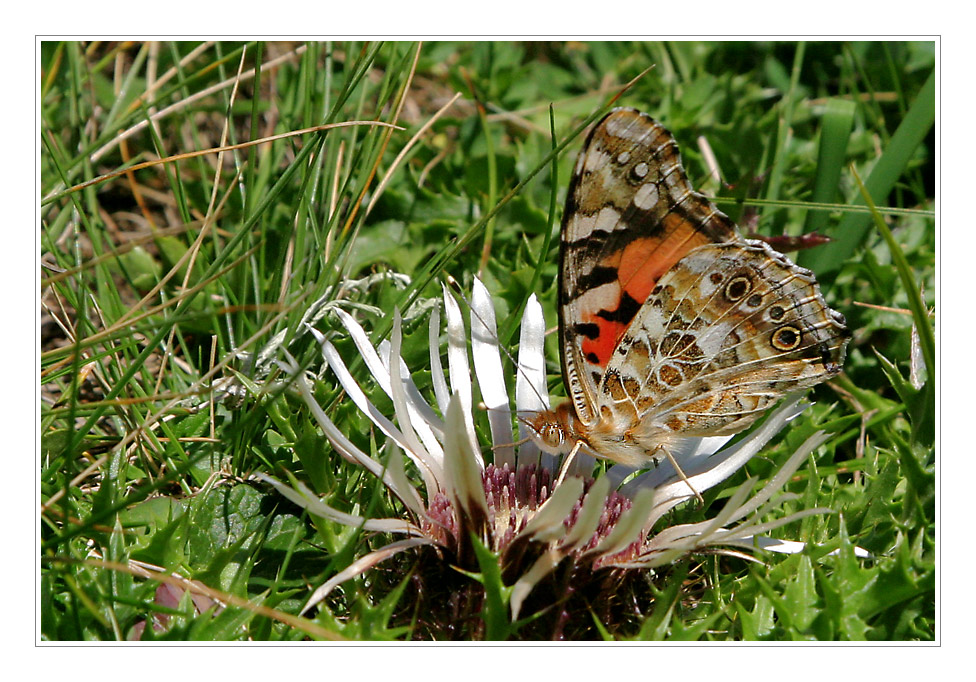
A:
630, 216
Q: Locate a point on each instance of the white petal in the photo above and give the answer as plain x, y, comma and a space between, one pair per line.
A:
430, 453
365, 348
793, 547
547, 522
488, 367
460, 373
628, 526
732, 535
582, 465
424, 421
414, 397
385, 425
436, 368
361, 565
302, 496
462, 466
397, 476
531, 394
588, 519
688, 536
776, 483
543, 566
457, 356
380, 369
688, 452
409, 421
345, 448
774, 544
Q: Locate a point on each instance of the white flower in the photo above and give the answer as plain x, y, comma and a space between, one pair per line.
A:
511, 504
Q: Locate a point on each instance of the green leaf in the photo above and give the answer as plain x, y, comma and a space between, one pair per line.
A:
919, 403
926, 335
853, 227
838, 119
496, 614
658, 624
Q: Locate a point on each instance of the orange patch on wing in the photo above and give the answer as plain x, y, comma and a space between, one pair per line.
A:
640, 269
644, 261
640, 265
602, 346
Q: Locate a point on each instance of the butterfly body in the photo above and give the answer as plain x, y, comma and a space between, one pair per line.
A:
671, 324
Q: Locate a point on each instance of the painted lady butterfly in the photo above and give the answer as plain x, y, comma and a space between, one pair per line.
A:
671, 324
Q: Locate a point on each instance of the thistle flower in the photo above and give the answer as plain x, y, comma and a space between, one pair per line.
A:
554, 534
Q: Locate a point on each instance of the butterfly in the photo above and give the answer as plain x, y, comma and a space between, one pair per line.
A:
671, 324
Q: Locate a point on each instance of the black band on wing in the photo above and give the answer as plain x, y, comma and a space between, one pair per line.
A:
625, 311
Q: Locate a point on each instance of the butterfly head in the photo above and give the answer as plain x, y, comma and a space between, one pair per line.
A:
559, 431
554, 431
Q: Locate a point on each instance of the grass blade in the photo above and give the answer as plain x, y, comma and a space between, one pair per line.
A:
853, 227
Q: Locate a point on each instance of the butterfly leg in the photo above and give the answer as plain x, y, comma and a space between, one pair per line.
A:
570, 458
681, 474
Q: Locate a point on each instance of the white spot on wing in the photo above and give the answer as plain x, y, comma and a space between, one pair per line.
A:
710, 340
653, 325
607, 219
604, 296
580, 225
583, 225
700, 259
595, 159
645, 198
706, 288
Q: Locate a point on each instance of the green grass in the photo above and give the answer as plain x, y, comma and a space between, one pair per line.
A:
167, 283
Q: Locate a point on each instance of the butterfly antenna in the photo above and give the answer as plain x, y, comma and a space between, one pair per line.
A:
520, 441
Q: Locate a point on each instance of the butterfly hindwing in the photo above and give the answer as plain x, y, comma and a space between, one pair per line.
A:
725, 334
